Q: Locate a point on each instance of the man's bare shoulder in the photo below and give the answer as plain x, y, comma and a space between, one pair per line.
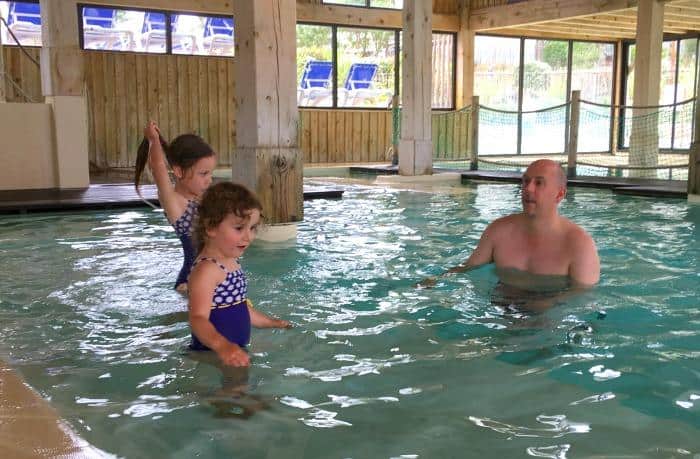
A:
578, 238
505, 223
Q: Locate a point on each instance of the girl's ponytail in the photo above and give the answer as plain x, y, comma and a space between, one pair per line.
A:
142, 159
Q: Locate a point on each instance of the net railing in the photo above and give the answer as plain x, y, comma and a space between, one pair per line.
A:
654, 140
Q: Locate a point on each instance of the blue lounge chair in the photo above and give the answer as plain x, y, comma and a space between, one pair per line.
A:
99, 31
24, 20
153, 32
359, 85
315, 83
218, 36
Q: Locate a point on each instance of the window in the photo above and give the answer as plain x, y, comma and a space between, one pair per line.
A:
551, 69
366, 67
314, 66
443, 70
678, 83
390, 4
24, 22
354, 67
118, 29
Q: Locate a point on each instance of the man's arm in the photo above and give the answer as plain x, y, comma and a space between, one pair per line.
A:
482, 254
585, 265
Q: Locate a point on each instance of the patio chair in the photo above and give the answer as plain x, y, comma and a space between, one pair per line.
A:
153, 35
99, 30
24, 20
218, 36
359, 85
315, 83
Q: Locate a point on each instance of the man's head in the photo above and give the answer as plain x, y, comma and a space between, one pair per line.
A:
543, 188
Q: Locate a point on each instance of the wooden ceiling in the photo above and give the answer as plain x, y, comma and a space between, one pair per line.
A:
609, 20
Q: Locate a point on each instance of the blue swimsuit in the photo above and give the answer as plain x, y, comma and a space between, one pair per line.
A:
229, 308
183, 229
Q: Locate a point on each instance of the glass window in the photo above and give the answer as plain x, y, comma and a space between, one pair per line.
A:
24, 22
592, 74
391, 4
678, 63
314, 66
202, 35
366, 67
496, 82
687, 63
443, 70
111, 29
544, 85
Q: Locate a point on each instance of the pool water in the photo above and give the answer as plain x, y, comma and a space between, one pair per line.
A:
374, 367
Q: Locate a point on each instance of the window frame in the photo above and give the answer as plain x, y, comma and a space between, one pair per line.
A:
168, 29
368, 4
626, 45
16, 45
569, 69
397, 64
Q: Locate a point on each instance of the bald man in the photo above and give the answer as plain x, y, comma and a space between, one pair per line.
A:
537, 243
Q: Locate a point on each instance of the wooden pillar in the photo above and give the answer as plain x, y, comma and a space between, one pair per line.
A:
474, 134
267, 158
3, 77
465, 57
572, 147
415, 146
694, 157
644, 145
62, 83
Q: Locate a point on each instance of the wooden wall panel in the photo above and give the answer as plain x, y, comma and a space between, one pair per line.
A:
24, 73
182, 93
344, 136
476, 4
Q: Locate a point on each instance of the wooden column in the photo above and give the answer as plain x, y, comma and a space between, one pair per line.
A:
415, 146
465, 57
694, 157
3, 78
267, 157
620, 68
62, 83
572, 148
644, 145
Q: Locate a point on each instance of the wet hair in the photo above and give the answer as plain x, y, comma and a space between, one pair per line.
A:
182, 152
219, 201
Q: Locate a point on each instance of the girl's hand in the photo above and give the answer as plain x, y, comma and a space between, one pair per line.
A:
152, 132
279, 323
232, 354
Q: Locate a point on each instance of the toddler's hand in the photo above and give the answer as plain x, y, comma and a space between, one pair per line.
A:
279, 323
233, 355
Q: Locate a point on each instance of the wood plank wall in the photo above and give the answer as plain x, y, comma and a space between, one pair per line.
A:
182, 93
196, 94
476, 4
25, 74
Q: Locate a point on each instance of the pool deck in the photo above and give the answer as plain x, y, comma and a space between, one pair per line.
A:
105, 196
619, 185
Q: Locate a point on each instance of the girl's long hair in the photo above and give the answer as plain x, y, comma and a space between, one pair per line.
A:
184, 151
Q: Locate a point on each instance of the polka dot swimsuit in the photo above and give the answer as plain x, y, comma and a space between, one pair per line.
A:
229, 308
183, 229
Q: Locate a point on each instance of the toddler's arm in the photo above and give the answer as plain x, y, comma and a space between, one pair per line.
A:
262, 320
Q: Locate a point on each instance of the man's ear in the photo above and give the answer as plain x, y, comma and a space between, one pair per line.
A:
561, 194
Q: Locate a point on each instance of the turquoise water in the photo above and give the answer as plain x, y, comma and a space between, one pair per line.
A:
373, 368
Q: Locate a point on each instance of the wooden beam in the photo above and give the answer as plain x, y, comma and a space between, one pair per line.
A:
534, 11
370, 17
583, 23
534, 32
195, 6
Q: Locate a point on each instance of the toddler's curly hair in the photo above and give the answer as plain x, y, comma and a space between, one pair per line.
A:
220, 200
